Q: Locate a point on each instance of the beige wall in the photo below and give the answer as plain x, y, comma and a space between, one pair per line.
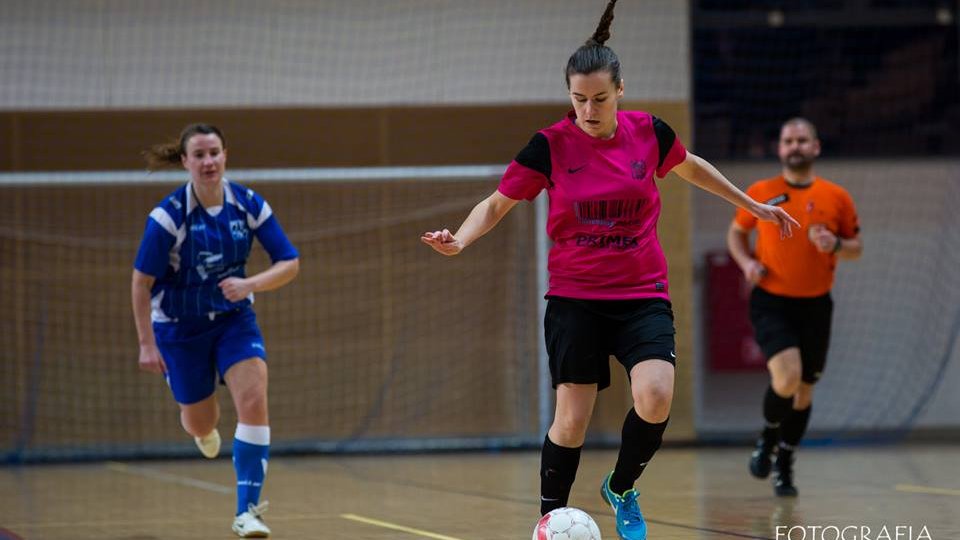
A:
121, 54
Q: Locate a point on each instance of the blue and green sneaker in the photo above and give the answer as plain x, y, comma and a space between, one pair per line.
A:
630, 523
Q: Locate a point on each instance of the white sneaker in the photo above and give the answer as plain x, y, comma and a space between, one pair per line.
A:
249, 524
209, 445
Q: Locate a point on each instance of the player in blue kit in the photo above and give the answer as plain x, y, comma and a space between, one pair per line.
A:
192, 305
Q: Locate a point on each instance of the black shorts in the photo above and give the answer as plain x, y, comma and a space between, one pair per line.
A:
582, 334
781, 322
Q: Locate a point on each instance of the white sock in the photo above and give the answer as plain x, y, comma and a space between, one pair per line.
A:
253, 434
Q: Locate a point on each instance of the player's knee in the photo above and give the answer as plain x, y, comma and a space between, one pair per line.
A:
198, 425
653, 402
569, 428
252, 400
786, 383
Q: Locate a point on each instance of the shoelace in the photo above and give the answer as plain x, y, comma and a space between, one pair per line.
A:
258, 510
630, 510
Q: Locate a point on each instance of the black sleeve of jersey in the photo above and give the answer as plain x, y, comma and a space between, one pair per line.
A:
665, 138
536, 155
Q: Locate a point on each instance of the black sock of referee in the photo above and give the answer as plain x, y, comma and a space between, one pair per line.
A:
641, 440
558, 469
794, 426
775, 410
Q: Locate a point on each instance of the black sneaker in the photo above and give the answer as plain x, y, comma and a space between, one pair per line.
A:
783, 482
761, 458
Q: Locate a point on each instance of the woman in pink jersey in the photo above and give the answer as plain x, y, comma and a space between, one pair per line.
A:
608, 276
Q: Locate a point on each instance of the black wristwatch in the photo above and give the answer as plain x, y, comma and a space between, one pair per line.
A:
838, 245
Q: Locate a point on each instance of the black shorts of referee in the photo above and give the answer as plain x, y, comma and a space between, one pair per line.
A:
782, 322
581, 335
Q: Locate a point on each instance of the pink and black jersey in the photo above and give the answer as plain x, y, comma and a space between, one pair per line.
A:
604, 204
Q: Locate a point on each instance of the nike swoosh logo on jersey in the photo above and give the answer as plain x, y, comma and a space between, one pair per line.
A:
573, 170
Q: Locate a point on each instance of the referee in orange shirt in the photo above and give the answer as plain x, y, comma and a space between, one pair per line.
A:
790, 306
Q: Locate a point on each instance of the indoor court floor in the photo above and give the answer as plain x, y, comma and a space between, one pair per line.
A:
846, 493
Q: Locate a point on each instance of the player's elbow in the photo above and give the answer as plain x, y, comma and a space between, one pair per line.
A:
293, 267
141, 282
731, 234
736, 237
497, 206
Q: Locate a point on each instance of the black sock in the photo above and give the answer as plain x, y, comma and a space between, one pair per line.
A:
640, 440
775, 410
794, 426
558, 469
785, 457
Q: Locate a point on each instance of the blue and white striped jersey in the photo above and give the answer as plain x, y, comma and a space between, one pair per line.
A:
189, 251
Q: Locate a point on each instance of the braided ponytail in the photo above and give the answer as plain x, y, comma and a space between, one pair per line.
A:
603, 29
594, 55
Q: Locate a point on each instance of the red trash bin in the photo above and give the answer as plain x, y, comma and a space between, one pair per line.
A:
730, 342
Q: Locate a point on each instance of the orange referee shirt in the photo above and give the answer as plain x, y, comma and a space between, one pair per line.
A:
794, 266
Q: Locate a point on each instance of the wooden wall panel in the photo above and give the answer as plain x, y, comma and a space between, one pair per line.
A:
109, 140
8, 142
461, 135
267, 138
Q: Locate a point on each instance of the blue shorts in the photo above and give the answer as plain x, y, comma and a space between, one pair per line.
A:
197, 350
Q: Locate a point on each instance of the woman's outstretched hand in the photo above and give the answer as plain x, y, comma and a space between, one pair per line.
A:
443, 242
775, 214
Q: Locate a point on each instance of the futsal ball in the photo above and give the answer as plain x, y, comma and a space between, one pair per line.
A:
566, 524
